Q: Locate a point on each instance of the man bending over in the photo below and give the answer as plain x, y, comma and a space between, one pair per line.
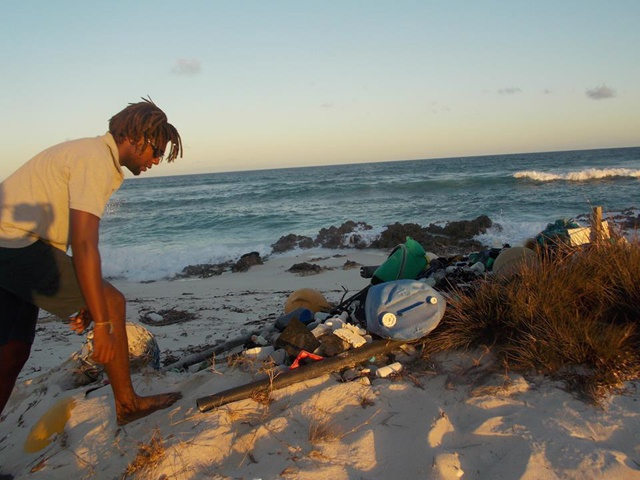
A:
54, 201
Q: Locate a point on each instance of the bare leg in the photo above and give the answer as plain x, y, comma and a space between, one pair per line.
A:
129, 405
13, 356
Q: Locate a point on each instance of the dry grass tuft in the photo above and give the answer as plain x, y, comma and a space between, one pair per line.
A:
242, 362
253, 365
262, 396
147, 457
323, 426
574, 316
323, 430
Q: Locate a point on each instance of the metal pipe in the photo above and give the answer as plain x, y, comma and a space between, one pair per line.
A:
194, 358
313, 370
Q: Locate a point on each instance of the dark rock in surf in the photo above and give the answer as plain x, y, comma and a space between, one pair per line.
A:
204, 270
290, 242
452, 239
335, 237
463, 229
247, 261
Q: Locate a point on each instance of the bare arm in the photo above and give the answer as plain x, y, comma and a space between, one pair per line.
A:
86, 260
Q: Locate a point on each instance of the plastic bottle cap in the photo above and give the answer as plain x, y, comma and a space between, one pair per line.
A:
389, 320
432, 300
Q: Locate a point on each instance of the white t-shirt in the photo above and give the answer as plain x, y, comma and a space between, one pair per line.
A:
35, 201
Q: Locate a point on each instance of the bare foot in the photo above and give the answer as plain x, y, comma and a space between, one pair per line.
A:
144, 406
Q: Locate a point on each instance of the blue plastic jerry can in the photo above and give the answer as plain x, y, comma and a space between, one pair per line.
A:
403, 309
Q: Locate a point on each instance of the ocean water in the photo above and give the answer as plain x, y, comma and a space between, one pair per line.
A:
154, 227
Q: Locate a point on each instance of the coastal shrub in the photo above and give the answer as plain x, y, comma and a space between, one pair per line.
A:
574, 316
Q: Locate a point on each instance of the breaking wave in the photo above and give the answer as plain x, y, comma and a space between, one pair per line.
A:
579, 176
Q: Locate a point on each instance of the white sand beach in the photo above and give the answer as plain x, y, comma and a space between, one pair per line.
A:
448, 417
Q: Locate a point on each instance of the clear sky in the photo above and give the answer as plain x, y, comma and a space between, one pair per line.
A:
263, 84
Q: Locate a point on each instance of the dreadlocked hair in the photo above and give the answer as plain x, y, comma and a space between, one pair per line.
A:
144, 120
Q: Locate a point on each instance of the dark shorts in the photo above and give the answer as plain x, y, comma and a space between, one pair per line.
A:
33, 277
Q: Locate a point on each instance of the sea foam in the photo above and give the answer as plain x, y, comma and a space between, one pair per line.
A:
579, 176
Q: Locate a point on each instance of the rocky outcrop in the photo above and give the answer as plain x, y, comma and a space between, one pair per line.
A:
290, 242
454, 238
206, 270
339, 237
247, 261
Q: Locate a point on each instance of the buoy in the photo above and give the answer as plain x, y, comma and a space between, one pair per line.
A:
510, 260
306, 298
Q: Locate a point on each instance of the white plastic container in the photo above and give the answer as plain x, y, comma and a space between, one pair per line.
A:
385, 371
259, 340
259, 353
334, 322
321, 316
349, 336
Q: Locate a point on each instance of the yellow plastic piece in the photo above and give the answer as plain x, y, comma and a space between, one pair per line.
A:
51, 423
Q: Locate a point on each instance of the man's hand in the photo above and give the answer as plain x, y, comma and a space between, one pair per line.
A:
81, 321
103, 344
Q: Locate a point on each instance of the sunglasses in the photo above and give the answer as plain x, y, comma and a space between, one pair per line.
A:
157, 152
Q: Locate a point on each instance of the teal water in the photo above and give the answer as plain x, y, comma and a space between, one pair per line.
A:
155, 226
